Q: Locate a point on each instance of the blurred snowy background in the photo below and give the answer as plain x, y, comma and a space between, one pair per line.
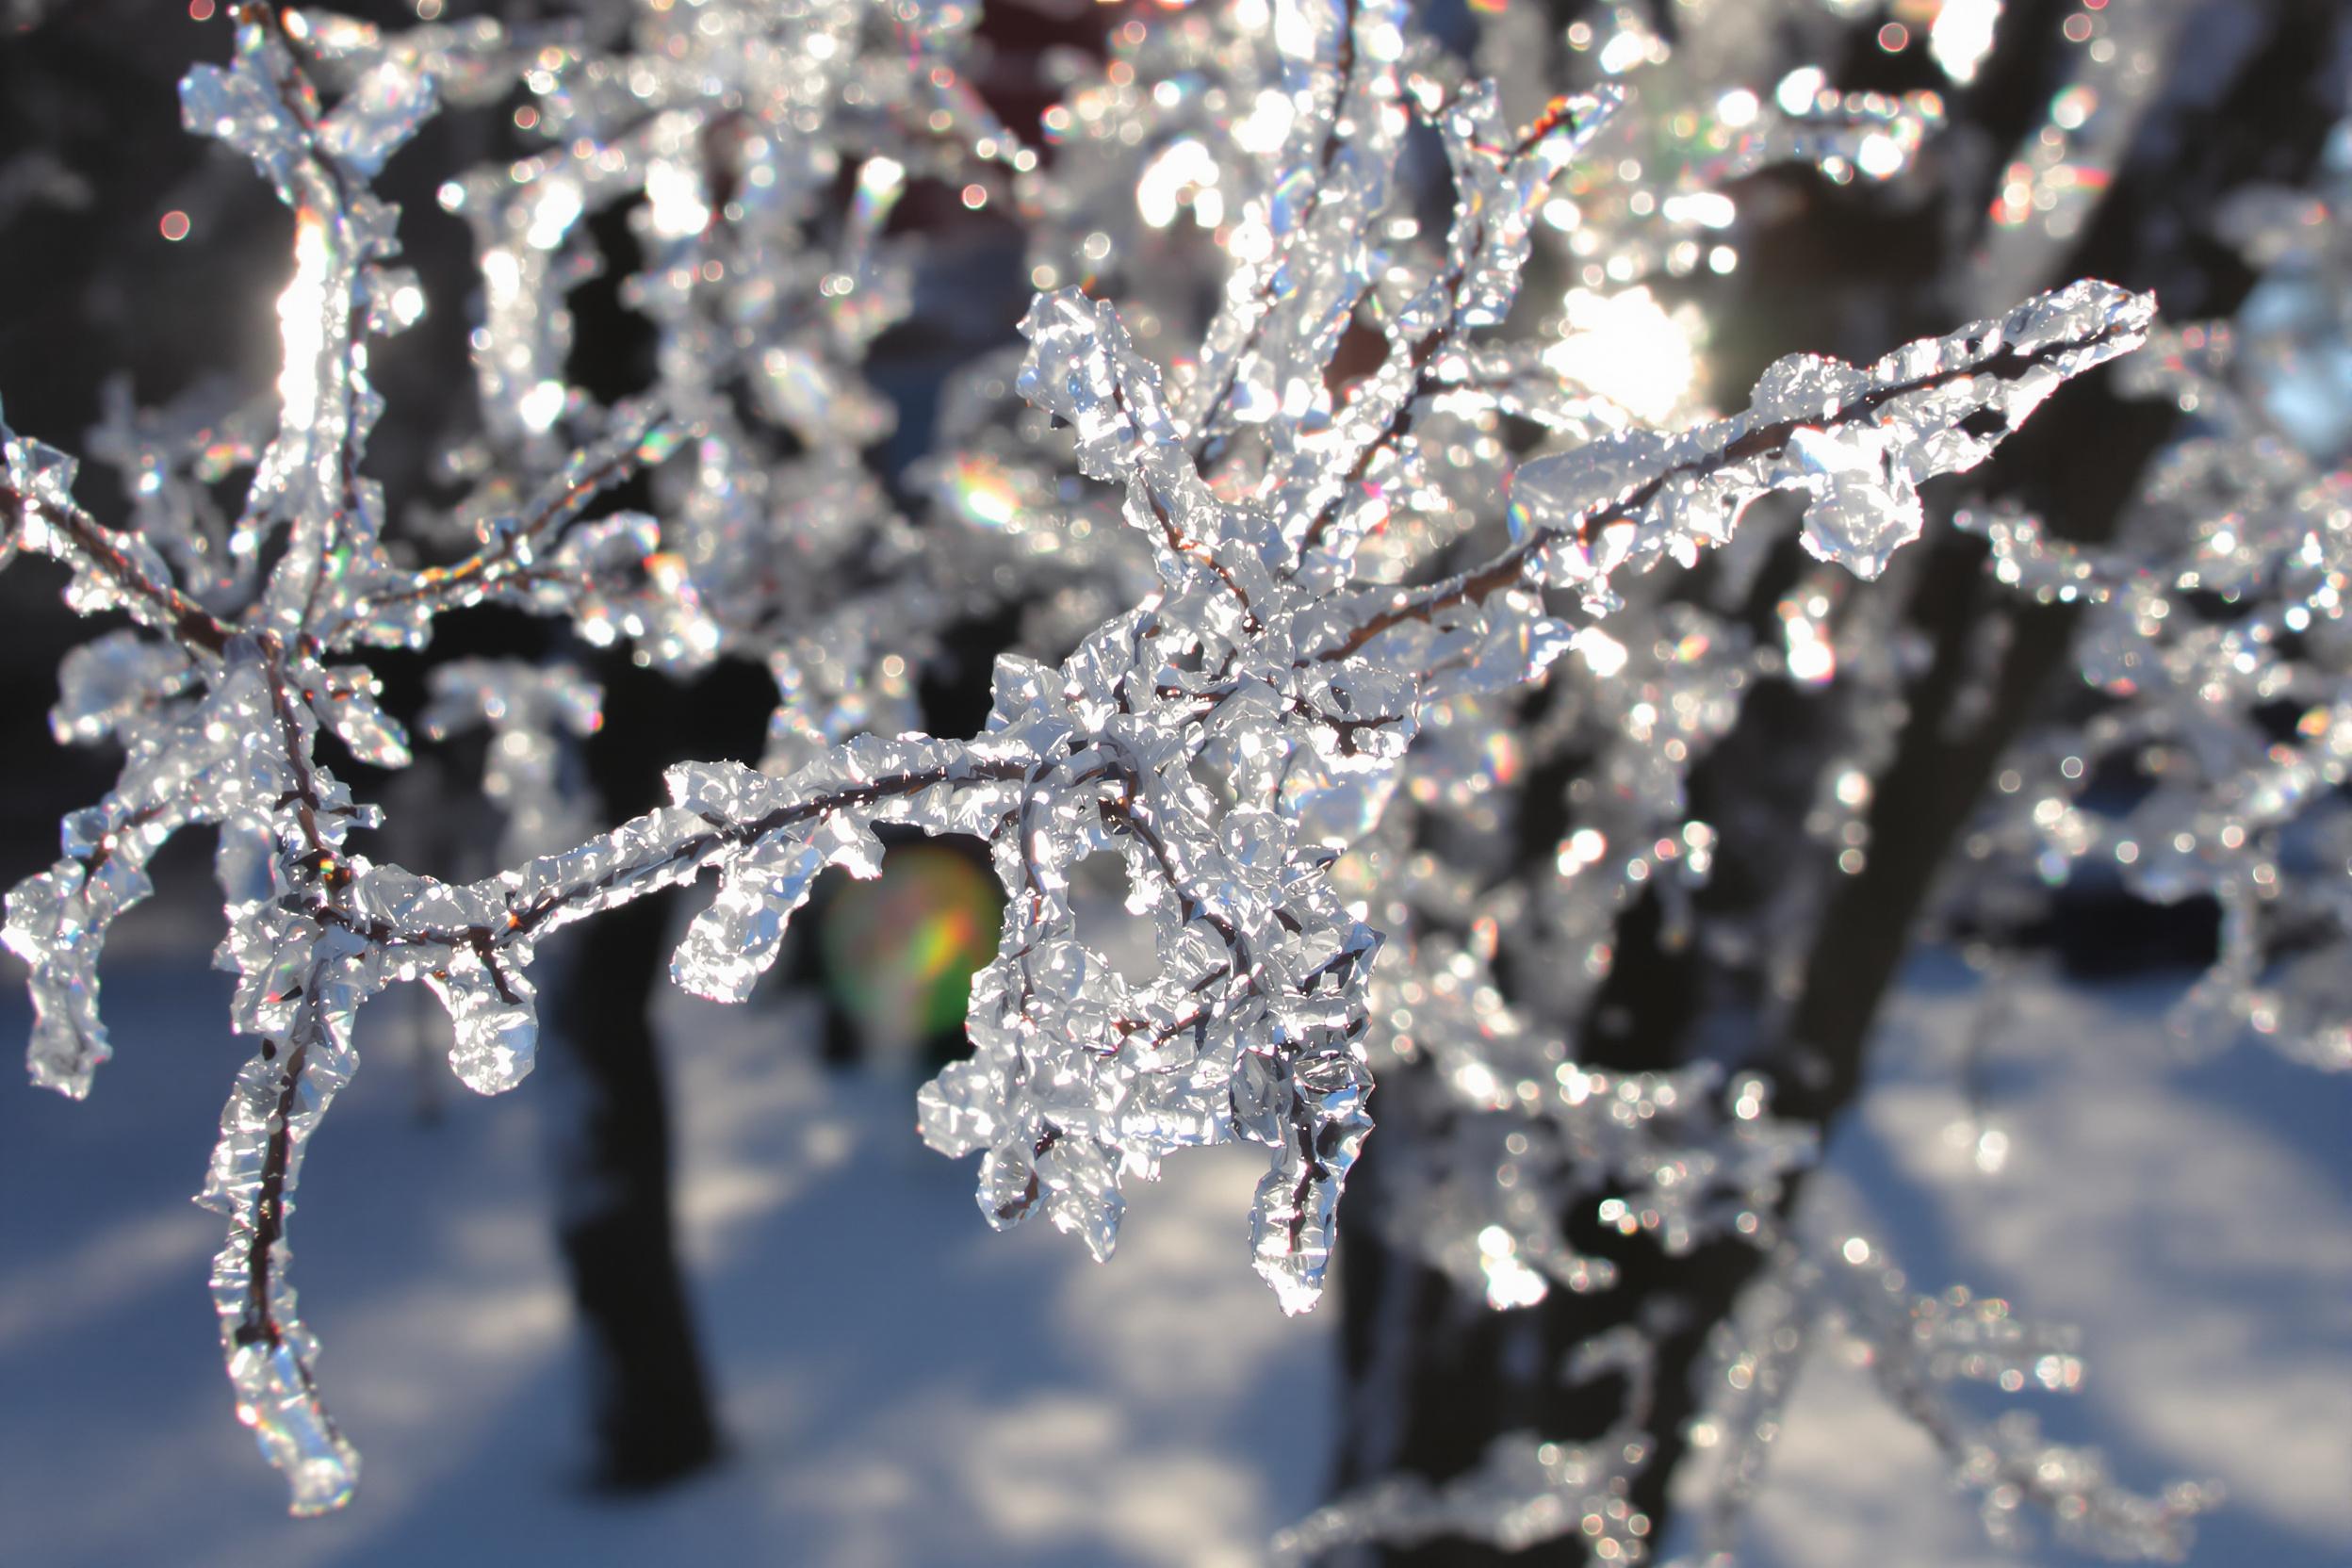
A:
932, 1395
937, 1395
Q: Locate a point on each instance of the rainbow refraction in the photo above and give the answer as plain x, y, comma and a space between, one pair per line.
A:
900, 951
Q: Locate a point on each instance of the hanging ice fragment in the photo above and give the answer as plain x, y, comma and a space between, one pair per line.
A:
733, 942
1862, 509
276, 1400
496, 1025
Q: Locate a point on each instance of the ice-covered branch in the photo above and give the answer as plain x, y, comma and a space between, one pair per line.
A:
2214, 672
1916, 1347
111, 570
1857, 443
1529, 1490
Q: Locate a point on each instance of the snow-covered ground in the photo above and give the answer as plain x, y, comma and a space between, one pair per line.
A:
903, 1387
2194, 1220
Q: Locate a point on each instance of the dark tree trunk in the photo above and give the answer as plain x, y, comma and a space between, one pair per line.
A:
653, 1411
1433, 1376
652, 1403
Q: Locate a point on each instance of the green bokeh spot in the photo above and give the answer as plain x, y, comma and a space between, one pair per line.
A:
900, 951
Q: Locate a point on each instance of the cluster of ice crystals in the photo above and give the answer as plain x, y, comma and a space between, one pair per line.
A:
2218, 673
57, 921
1524, 1133
1528, 1490
1916, 1346
1298, 626
219, 706
1658, 196
1857, 442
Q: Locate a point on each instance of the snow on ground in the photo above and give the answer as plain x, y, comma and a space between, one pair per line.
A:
903, 1387
2194, 1219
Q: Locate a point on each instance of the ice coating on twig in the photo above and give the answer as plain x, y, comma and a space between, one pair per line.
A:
1856, 442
